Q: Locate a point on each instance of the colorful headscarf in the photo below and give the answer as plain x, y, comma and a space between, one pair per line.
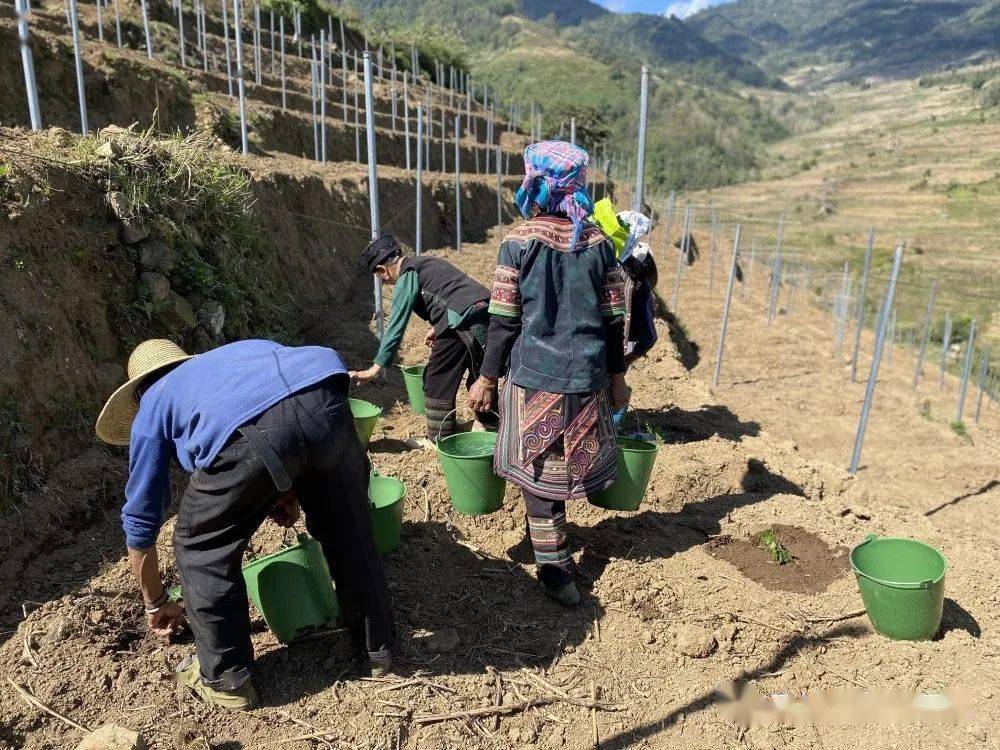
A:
555, 179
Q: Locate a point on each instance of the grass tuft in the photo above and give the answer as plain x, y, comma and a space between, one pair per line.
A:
204, 207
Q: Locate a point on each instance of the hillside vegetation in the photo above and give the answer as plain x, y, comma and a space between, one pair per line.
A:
917, 160
579, 60
861, 37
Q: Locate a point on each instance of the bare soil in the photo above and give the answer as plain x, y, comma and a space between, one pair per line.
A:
813, 567
647, 578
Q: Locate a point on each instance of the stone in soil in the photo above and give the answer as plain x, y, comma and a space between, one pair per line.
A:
112, 737
157, 255
695, 641
442, 641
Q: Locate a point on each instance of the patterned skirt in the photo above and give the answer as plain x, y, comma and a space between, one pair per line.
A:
558, 446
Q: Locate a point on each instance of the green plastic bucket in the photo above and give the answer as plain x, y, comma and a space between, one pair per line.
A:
366, 416
635, 464
902, 586
385, 496
292, 589
413, 379
467, 461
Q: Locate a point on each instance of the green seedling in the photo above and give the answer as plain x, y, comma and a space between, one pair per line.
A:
774, 548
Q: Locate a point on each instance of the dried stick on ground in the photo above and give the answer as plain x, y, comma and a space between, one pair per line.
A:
26, 651
321, 736
33, 701
475, 713
480, 712
497, 697
593, 716
545, 684
848, 616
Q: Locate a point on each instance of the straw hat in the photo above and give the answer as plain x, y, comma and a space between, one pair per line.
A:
114, 425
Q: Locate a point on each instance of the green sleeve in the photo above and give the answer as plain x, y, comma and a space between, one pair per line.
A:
404, 297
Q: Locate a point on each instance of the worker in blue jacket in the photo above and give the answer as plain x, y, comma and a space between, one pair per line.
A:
261, 428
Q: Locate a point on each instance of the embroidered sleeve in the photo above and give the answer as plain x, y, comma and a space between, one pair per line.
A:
506, 296
613, 292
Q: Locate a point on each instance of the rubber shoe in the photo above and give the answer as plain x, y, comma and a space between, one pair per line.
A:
241, 699
381, 663
567, 595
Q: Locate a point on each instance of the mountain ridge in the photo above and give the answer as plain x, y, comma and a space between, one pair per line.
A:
889, 38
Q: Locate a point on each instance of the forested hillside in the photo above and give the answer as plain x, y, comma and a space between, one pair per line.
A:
882, 37
575, 59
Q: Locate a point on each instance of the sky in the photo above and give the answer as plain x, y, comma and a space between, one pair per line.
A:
679, 8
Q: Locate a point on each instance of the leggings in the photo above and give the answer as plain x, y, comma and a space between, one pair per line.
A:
546, 521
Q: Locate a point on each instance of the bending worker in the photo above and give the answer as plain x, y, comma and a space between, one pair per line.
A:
260, 427
457, 308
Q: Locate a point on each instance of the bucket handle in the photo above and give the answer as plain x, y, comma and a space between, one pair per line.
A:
921, 585
441, 426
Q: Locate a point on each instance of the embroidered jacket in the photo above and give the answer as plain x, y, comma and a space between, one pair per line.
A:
563, 298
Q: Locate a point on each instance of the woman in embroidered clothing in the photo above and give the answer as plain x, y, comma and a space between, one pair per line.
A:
556, 334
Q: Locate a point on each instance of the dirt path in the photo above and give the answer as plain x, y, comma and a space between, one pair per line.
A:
655, 599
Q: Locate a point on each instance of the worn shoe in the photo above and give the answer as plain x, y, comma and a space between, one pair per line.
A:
380, 662
241, 699
567, 594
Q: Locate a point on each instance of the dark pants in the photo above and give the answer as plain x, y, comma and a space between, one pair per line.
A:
312, 432
546, 521
457, 354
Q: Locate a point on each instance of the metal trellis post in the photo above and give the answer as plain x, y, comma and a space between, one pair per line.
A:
240, 73
725, 308
458, 185
229, 60
420, 184
928, 316
945, 344
862, 303
80, 90
28, 63
373, 182
640, 169
682, 253
966, 371
776, 273
145, 28
984, 366
883, 323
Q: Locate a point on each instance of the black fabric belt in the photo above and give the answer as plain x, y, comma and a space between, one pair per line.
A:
279, 475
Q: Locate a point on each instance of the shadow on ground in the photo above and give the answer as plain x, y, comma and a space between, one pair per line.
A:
502, 617
676, 425
956, 617
794, 645
659, 534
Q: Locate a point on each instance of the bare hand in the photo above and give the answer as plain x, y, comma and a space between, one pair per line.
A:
481, 394
167, 619
429, 337
362, 377
286, 511
620, 393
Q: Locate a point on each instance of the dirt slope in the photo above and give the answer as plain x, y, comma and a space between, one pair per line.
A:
78, 297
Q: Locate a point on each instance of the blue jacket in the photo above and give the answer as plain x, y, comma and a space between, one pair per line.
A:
192, 411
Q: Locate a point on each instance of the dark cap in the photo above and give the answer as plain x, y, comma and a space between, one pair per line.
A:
382, 248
